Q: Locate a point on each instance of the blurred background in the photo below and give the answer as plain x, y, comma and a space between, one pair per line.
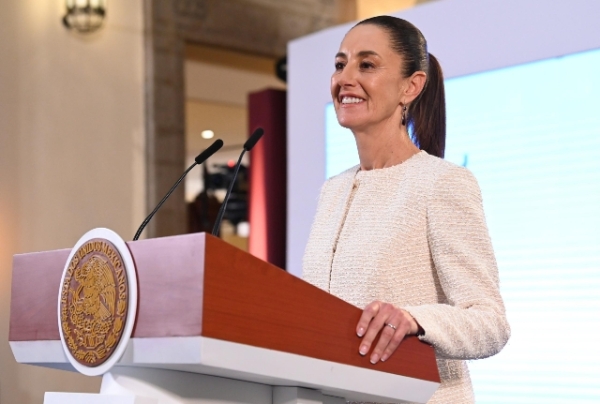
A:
104, 103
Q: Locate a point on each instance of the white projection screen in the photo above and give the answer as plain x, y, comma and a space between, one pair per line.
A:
522, 88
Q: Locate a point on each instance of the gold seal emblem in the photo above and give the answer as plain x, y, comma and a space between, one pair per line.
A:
93, 302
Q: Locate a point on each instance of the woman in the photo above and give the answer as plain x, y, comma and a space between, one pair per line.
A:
404, 234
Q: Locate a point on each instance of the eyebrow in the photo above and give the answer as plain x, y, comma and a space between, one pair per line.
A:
359, 54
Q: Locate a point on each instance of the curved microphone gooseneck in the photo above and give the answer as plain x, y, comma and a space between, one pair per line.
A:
201, 158
247, 147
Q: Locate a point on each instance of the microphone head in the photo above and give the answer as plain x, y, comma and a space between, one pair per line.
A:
253, 139
210, 150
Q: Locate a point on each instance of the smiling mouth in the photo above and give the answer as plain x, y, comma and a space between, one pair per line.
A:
351, 100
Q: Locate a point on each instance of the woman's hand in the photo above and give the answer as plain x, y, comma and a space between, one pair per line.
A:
394, 324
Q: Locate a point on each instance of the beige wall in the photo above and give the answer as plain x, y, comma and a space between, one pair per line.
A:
370, 8
71, 149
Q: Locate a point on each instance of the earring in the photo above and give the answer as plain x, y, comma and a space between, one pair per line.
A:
404, 116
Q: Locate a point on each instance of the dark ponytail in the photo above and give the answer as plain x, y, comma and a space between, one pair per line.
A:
427, 113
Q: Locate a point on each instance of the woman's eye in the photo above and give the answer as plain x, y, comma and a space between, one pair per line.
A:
366, 65
339, 66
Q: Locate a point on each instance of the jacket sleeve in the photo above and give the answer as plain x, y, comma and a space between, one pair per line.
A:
471, 323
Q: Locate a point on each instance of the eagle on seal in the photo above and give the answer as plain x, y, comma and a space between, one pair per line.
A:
94, 301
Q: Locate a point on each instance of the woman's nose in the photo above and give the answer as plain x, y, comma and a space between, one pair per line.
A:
347, 77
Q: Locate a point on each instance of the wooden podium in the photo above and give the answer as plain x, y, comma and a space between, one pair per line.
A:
217, 324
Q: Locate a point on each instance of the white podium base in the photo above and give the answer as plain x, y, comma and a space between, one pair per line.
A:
247, 364
81, 398
158, 386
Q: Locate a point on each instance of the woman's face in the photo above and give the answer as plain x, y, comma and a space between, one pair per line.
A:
367, 85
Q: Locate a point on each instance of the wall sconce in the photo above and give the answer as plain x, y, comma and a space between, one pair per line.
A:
84, 15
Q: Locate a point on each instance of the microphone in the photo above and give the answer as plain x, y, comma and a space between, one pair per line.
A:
247, 147
201, 158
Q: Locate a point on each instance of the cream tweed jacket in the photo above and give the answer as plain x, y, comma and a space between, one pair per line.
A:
414, 235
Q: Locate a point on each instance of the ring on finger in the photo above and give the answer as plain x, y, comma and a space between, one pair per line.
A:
391, 326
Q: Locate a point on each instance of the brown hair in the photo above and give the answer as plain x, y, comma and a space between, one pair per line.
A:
426, 120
